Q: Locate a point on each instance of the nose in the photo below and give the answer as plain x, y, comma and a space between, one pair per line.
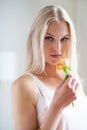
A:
57, 45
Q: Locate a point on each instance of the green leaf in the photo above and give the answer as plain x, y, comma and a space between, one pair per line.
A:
66, 69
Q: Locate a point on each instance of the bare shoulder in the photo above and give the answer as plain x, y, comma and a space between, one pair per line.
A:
24, 85
23, 80
24, 100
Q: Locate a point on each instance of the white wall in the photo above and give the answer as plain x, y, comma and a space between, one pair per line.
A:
81, 25
6, 120
16, 18
15, 21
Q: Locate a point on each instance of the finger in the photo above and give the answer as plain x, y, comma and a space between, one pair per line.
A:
73, 82
69, 80
73, 85
66, 82
62, 83
76, 86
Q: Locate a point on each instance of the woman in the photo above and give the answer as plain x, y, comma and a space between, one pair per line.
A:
42, 97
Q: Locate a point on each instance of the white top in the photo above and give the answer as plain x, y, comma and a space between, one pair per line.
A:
73, 118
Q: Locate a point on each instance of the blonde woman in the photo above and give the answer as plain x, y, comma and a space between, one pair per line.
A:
42, 98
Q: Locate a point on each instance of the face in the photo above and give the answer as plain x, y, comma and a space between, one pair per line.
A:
56, 41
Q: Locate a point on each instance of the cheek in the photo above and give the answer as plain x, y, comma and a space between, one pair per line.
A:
47, 51
64, 47
47, 48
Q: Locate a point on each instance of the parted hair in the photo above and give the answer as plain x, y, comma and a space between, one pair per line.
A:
35, 44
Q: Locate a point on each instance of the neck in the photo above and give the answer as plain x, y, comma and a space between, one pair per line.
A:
50, 71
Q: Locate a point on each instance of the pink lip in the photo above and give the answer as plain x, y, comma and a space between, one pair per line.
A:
55, 56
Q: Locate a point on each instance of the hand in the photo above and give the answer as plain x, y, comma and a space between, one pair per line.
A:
65, 93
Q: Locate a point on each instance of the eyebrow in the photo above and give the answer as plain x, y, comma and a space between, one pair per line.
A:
50, 34
56, 35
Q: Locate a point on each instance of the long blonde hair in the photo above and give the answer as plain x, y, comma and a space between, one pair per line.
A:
35, 44
36, 59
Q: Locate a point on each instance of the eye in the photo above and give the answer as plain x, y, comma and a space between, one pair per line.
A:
64, 39
49, 38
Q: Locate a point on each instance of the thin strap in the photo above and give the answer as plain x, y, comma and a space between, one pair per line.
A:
40, 87
36, 84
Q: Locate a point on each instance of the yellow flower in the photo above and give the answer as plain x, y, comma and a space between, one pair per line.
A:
62, 66
59, 67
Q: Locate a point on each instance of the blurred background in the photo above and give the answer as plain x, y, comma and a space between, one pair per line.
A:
15, 20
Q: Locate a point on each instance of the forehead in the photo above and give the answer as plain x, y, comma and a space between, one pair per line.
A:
58, 28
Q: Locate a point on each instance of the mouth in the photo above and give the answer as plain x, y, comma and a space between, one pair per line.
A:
56, 56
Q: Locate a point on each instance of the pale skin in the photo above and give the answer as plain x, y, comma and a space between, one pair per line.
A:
24, 97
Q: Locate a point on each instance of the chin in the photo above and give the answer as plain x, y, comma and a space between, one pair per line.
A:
55, 61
